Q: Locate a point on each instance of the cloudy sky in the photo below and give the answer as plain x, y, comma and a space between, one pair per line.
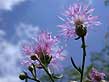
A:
21, 19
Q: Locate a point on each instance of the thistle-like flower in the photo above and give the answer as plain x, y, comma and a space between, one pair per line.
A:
77, 18
96, 76
43, 50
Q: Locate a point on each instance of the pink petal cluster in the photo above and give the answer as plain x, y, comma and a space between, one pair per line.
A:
77, 14
96, 76
44, 44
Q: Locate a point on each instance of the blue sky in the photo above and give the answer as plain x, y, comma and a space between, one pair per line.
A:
21, 19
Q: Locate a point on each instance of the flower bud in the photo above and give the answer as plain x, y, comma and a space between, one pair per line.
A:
22, 76
33, 57
48, 59
45, 59
81, 30
31, 68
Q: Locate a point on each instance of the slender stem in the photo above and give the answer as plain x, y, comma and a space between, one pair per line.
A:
26, 80
84, 55
46, 70
33, 79
34, 74
34, 71
48, 73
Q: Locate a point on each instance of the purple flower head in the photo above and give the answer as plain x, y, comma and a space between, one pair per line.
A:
44, 44
43, 49
96, 76
77, 15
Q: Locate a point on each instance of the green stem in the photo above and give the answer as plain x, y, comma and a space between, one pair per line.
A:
33, 79
46, 70
84, 55
34, 71
34, 74
26, 80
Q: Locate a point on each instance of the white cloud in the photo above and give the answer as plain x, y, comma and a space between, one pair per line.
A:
2, 33
8, 4
26, 31
10, 79
10, 53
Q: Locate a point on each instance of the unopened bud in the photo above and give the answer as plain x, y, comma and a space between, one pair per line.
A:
31, 68
33, 57
81, 30
22, 76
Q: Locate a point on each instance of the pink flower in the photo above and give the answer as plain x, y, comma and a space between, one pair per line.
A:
43, 49
77, 14
96, 76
